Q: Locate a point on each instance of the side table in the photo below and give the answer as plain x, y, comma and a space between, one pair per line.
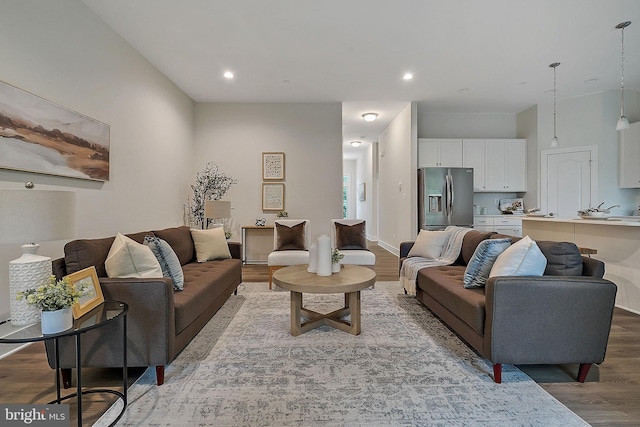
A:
106, 312
247, 229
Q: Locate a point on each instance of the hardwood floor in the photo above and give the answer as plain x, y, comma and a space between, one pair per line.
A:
610, 397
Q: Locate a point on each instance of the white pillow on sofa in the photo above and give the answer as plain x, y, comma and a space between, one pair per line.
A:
429, 244
523, 258
210, 244
128, 258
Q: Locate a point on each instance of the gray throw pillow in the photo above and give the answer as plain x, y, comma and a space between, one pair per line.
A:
479, 267
169, 262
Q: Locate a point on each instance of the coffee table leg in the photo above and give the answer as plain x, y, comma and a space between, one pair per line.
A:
296, 305
354, 305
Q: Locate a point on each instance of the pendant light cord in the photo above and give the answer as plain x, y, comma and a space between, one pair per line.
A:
554, 100
622, 76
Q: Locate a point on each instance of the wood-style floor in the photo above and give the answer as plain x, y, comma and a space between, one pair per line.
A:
610, 397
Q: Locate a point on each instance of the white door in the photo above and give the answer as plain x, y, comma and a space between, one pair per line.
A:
569, 180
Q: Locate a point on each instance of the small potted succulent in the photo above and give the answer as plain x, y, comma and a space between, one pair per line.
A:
283, 214
54, 300
336, 257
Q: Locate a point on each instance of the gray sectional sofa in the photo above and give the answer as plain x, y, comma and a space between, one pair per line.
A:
562, 317
161, 321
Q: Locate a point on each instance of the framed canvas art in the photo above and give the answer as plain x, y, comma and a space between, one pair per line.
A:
272, 196
89, 278
39, 136
272, 166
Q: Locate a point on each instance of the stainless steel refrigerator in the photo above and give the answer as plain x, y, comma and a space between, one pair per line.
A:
445, 197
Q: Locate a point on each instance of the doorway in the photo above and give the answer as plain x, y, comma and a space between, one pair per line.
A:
568, 180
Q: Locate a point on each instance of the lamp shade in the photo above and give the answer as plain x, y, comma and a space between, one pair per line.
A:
36, 215
217, 209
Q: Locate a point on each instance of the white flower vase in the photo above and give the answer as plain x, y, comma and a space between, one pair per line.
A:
56, 321
335, 267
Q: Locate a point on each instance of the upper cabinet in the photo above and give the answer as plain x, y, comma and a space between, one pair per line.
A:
439, 152
499, 165
630, 157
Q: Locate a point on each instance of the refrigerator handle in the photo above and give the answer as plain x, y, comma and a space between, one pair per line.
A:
447, 208
451, 190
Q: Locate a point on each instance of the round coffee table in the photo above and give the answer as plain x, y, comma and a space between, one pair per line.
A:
350, 281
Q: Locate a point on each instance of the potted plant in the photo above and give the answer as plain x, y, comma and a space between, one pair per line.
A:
54, 300
336, 257
283, 214
211, 184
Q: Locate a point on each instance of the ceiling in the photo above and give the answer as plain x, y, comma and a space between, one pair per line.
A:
467, 56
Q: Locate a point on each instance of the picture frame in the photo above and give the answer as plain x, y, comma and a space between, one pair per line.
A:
89, 277
272, 196
273, 166
46, 138
362, 191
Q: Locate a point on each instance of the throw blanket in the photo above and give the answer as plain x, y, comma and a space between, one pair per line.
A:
450, 253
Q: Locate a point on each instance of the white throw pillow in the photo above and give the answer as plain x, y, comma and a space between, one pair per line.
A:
128, 258
429, 244
523, 258
210, 244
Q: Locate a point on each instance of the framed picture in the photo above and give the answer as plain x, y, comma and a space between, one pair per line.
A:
272, 196
362, 191
94, 297
272, 166
39, 136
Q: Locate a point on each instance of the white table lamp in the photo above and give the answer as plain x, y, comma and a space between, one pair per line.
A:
29, 216
217, 210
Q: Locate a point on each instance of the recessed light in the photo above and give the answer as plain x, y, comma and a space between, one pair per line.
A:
228, 75
463, 90
370, 116
407, 76
355, 144
591, 80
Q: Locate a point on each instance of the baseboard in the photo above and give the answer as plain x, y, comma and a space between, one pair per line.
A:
389, 248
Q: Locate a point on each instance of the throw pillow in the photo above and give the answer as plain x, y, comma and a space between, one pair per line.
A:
481, 262
523, 258
128, 258
429, 244
291, 238
169, 262
563, 258
351, 236
210, 244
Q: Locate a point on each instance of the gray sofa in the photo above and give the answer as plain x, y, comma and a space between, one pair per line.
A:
161, 321
562, 317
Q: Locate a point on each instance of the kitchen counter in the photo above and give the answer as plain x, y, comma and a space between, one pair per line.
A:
616, 239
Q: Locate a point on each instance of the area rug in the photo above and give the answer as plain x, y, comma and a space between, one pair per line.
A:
404, 369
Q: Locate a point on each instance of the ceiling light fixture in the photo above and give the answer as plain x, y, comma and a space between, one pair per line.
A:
228, 75
355, 144
407, 76
370, 116
554, 140
623, 122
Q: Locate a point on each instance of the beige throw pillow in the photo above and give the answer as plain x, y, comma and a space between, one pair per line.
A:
429, 244
210, 244
128, 258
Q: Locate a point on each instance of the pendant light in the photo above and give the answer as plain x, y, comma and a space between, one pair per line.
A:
554, 140
623, 122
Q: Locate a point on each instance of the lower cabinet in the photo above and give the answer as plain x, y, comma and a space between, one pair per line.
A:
503, 224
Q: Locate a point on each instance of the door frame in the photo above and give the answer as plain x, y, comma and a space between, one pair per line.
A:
544, 162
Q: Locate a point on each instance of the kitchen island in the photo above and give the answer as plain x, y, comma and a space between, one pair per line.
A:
616, 239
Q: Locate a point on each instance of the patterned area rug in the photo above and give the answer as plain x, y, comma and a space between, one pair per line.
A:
404, 369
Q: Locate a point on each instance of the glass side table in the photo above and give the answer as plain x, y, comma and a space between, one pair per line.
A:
106, 312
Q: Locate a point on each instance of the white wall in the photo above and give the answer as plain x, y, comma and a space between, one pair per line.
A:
367, 169
349, 168
234, 135
60, 51
591, 120
527, 123
397, 207
468, 125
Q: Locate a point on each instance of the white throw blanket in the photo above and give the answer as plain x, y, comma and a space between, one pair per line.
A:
450, 253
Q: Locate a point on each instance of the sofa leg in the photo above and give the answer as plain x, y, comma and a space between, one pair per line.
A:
583, 371
65, 374
160, 374
497, 373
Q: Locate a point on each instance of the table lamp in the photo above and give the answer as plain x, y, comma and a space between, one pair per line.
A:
27, 216
217, 210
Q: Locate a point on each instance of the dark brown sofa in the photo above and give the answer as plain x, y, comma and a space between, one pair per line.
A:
161, 321
562, 317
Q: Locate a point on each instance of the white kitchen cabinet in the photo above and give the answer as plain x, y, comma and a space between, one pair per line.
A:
473, 156
439, 152
630, 157
505, 165
504, 224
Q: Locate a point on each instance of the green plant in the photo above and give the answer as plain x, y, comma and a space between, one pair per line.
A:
283, 214
54, 295
211, 184
336, 256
